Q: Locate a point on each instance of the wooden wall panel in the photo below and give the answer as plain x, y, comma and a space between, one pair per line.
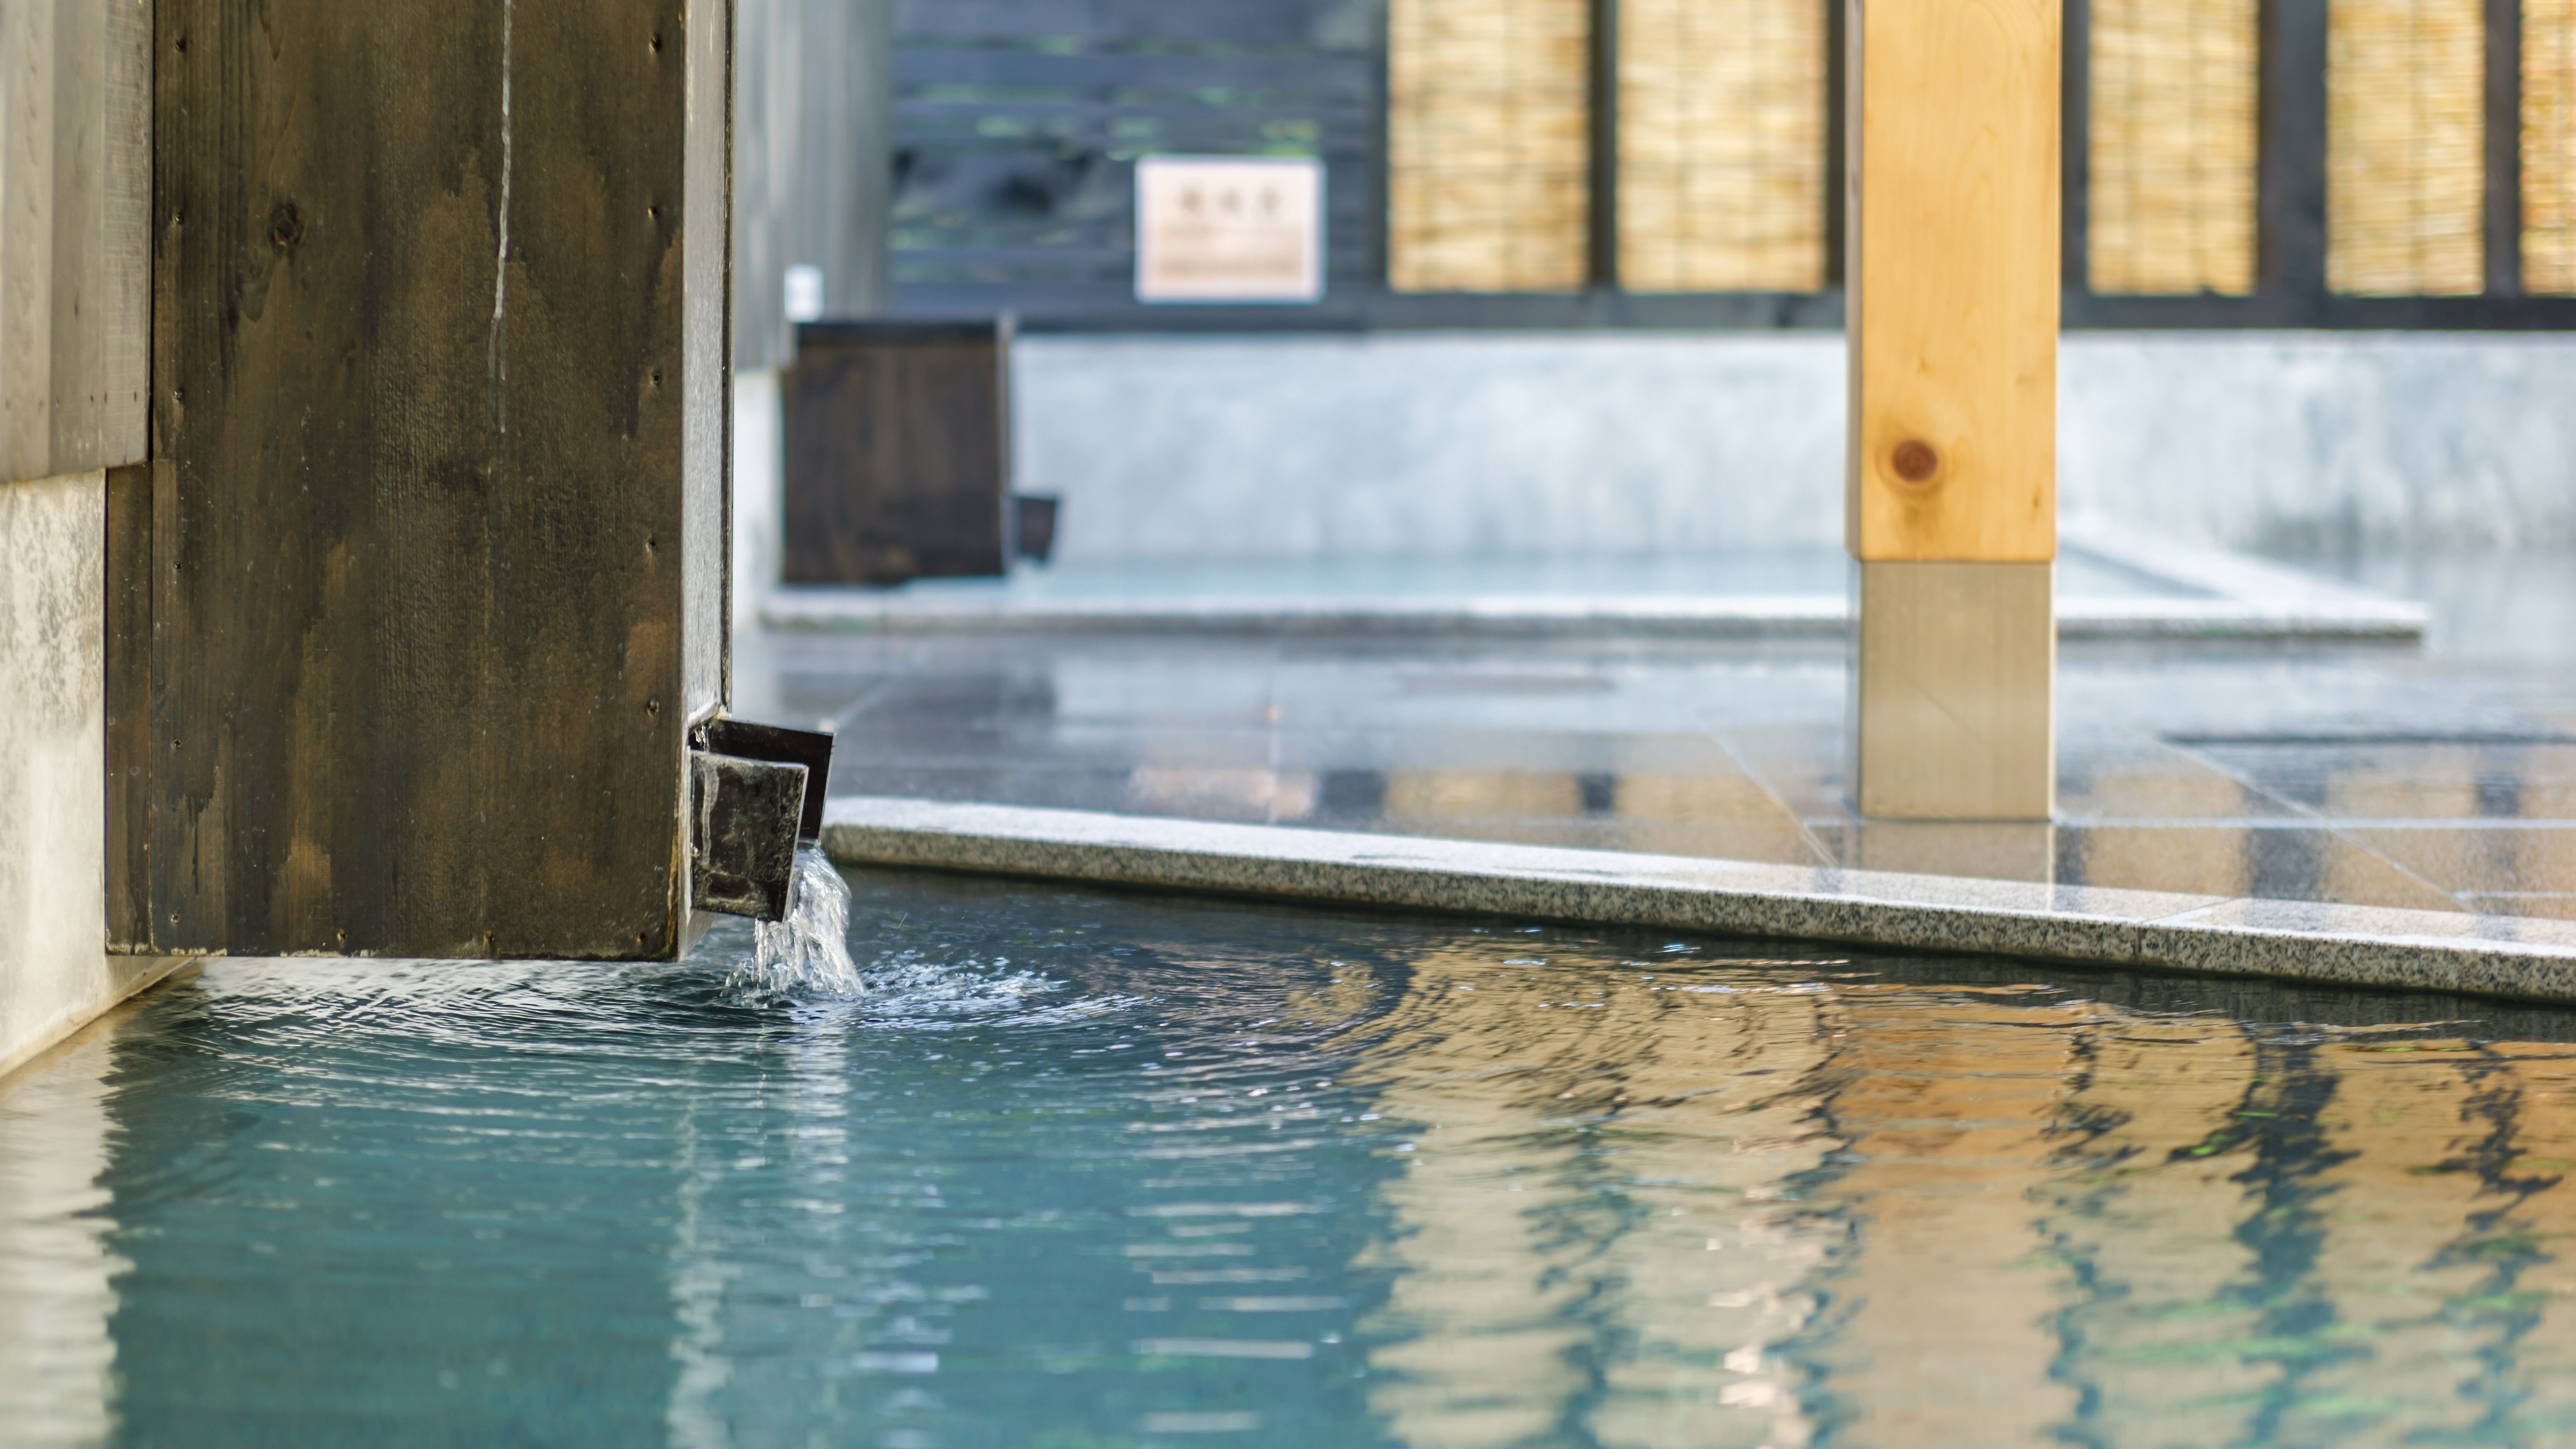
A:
1488, 145
2548, 144
2170, 166
423, 341
1953, 277
75, 165
2405, 147
897, 452
128, 660
1721, 145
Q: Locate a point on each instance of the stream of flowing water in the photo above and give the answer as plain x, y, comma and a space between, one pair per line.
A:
807, 954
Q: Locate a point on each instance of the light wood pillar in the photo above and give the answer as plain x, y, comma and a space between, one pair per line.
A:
1951, 492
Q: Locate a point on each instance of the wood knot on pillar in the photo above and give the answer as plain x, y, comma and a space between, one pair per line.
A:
1915, 461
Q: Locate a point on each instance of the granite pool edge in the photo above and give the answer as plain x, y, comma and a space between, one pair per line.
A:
828, 609
2511, 957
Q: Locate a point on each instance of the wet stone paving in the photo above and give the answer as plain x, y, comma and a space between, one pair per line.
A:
2440, 777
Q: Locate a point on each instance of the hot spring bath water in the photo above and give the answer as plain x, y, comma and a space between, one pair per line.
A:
1058, 1169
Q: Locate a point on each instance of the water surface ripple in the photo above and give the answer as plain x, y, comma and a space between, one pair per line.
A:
1077, 1169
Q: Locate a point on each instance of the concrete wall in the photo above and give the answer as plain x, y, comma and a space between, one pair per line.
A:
813, 161
55, 972
1573, 442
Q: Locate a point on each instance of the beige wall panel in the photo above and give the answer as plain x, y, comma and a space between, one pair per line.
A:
2170, 169
1487, 145
1953, 278
75, 172
2549, 147
1953, 710
2405, 139
1721, 145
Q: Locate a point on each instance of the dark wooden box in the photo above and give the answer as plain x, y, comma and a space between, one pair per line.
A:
897, 452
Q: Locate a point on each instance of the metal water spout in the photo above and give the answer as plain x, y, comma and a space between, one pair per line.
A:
755, 795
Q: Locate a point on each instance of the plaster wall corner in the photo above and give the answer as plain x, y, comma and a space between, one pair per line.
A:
55, 970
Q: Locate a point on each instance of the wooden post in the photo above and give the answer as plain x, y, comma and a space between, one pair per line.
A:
1952, 270
435, 516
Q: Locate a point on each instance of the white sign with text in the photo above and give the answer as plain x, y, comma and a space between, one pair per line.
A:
1229, 229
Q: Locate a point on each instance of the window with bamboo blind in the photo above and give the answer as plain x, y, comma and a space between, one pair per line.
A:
1488, 174
1721, 145
2170, 160
2405, 147
2549, 147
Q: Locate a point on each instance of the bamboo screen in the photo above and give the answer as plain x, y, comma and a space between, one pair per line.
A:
1487, 145
2549, 146
2170, 161
1721, 145
2405, 135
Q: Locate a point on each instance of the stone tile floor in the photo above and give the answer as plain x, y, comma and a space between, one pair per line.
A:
2436, 778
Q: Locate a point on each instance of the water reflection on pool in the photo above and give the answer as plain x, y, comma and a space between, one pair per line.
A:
1089, 1170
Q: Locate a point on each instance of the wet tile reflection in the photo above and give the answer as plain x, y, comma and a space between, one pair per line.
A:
1737, 751
2426, 778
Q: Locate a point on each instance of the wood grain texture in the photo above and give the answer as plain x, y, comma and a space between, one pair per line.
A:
424, 348
75, 165
2170, 176
1953, 276
1487, 145
128, 658
2548, 147
2405, 147
1722, 155
897, 453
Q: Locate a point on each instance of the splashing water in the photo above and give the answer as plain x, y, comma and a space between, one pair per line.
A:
809, 952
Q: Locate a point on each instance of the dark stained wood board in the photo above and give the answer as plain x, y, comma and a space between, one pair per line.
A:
897, 451
419, 499
128, 659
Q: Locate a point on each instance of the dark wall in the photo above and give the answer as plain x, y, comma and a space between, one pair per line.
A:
1018, 123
